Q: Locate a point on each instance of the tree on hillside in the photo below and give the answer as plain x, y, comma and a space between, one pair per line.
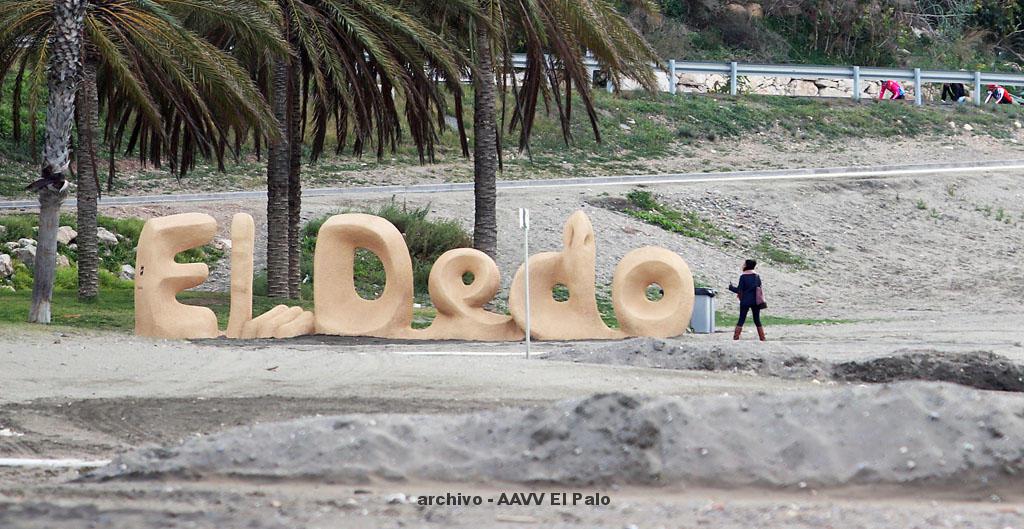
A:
171, 92
554, 35
362, 67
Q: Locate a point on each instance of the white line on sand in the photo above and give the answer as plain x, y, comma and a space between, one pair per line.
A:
52, 463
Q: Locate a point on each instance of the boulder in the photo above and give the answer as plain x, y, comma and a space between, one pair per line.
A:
736, 10
27, 255
24, 243
12, 245
105, 236
799, 87
63, 261
6, 266
829, 91
127, 272
6, 288
65, 234
755, 10
692, 79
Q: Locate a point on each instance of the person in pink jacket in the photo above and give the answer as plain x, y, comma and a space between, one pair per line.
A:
1000, 95
893, 87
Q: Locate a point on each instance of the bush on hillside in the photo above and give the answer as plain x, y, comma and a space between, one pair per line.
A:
426, 239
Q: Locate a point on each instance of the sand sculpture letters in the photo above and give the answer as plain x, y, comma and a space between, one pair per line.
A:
461, 312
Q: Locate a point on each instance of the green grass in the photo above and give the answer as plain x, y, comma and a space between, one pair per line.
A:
655, 126
114, 309
728, 319
767, 249
644, 206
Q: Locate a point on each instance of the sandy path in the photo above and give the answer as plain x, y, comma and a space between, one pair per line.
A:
117, 366
215, 505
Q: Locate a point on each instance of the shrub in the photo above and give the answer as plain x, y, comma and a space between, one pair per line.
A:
19, 226
426, 239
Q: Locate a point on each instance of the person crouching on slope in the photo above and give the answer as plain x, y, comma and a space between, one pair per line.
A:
751, 299
892, 87
1001, 95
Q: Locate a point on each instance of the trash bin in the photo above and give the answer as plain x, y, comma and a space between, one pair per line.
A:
703, 319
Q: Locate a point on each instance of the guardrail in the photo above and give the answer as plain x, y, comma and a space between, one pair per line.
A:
735, 70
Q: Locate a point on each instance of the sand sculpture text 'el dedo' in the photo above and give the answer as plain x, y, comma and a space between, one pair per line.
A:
340, 310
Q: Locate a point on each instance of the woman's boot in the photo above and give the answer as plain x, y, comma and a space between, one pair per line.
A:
760, 333
736, 332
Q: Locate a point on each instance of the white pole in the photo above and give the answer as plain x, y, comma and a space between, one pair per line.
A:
524, 223
672, 76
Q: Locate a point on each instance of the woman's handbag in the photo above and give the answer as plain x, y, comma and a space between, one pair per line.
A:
760, 299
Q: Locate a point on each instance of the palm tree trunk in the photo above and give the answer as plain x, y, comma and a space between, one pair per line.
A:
294, 180
88, 184
62, 82
485, 147
278, 155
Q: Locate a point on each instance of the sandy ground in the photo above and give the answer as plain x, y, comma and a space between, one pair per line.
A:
913, 265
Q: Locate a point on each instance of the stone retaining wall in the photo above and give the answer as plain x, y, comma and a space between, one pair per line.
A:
790, 86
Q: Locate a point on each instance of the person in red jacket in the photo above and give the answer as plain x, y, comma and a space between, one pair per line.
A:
893, 87
1001, 95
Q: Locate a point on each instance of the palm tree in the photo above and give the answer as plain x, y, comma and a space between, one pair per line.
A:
554, 35
173, 94
358, 64
65, 43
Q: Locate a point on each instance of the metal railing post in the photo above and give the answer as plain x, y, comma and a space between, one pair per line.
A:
917, 87
609, 86
977, 88
856, 83
672, 76
732, 78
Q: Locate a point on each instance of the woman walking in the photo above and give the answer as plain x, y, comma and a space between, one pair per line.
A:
751, 299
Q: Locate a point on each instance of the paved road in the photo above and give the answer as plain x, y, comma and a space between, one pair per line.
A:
670, 178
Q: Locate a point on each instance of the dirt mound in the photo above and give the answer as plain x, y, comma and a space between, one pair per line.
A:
680, 354
979, 369
908, 432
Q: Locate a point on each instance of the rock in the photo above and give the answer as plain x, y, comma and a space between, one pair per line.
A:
221, 244
12, 245
24, 243
968, 127
65, 234
755, 10
1016, 124
736, 10
6, 288
73, 246
127, 272
799, 87
6, 266
105, 237
830, 91
27, 255
624, 127
63, 261
952, 125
